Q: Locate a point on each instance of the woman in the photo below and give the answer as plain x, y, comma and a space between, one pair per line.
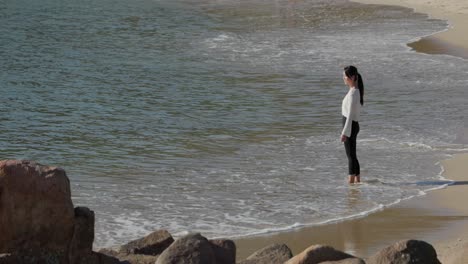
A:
351, 109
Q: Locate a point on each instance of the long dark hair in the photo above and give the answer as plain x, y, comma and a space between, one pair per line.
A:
351, 72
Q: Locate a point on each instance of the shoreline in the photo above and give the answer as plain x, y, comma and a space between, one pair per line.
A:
415, 218
453, 41
437, 217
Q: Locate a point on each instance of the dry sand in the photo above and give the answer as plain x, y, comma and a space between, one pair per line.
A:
441, 217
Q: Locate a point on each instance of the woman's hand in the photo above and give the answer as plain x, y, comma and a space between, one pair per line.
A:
344, 138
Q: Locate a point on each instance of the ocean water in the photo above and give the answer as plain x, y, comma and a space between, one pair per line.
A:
223, 117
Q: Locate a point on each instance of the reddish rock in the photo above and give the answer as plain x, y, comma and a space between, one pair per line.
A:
36, 211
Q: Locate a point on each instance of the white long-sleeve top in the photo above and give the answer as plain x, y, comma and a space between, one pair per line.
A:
351, 109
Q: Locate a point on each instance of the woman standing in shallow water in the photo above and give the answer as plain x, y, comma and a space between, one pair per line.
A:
351, 110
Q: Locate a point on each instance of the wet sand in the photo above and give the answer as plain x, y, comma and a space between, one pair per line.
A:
454, 41
440, 217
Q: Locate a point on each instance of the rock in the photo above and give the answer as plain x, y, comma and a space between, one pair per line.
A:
83, 235
100, 258
153, 244
97, 258
52, 258
346, 261
137, 259
108, 252
36, 211
129, 258
406, 251
33, 257
318, 254
224, 251
190, 249
276, 253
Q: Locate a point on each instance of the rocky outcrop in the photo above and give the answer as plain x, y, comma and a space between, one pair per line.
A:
152, 244
406, 252
36, 211
318, 254
38, 223
275, 253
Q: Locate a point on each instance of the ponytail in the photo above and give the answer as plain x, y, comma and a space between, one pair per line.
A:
360, 85
352, 71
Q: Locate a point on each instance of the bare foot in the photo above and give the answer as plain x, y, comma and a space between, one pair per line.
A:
358, 178
352, 179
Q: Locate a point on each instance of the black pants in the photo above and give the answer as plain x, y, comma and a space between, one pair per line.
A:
350, 146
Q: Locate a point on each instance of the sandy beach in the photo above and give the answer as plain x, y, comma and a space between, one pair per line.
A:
438, 218
453, 41
441, 216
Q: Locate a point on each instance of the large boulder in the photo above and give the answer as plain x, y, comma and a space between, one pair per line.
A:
406, 252
36, 211
318, 254
224, 251
153, 244
190, 249
275, 253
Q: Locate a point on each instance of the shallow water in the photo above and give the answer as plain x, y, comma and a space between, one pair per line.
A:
223, 117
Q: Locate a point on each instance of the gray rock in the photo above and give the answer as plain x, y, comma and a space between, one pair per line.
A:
191, 249
153, 244
137, 259
108, 252
276, 253
406, 252
129, 258
318, 254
